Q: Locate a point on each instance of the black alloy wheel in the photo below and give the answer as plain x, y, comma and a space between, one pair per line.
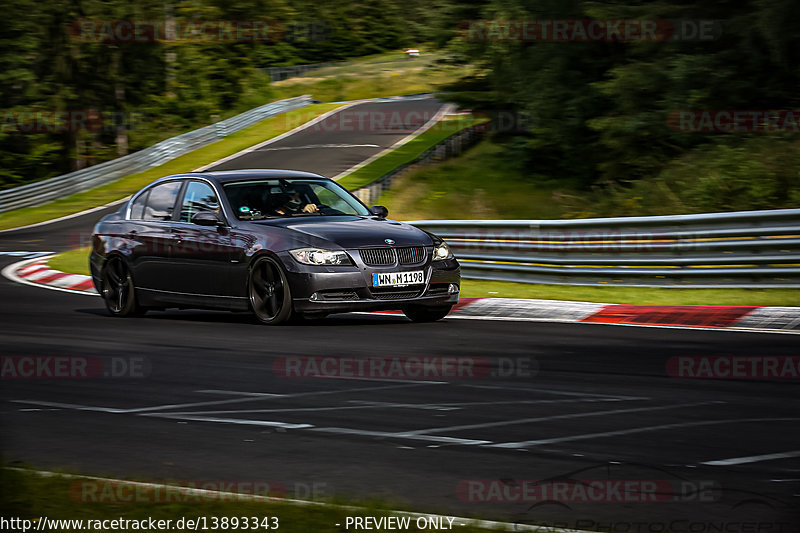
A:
270, 296
118, 291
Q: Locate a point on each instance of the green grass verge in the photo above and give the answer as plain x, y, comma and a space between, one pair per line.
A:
77, 262
27, 495
74, 262
409, 151
266, 129
482, 183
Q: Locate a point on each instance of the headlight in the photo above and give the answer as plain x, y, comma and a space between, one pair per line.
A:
315, 256
441, 252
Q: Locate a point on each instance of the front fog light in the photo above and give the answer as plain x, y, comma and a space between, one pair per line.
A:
452, 289
314, 256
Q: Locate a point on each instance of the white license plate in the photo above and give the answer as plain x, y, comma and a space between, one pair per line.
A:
398, 279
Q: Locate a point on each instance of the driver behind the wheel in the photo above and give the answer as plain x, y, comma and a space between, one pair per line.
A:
290, 203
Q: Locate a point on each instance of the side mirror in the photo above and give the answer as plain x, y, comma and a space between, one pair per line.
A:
205, 218
379, 211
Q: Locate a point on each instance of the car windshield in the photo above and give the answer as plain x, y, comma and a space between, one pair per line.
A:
257, 199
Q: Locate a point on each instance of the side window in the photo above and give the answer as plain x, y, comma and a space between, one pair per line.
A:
137, 209
199, 196
161, 201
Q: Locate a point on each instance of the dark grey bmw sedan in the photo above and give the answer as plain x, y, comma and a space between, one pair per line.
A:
279, 243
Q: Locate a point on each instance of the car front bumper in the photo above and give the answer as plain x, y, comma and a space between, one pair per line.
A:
318, 289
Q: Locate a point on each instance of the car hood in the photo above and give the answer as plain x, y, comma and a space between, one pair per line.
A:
355, 232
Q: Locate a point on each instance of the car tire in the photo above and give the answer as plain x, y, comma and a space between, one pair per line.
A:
269, 292
421, 313
118, 290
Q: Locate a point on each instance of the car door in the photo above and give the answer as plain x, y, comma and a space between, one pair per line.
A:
200, 255
153, 235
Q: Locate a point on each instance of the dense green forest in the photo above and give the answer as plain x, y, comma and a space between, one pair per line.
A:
604, 113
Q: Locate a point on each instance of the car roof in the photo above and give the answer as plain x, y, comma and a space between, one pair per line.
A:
224, 176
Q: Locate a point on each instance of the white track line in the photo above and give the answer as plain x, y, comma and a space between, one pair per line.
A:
137, 410
364, 404
752, 459
393, 435
635, 430
237, 421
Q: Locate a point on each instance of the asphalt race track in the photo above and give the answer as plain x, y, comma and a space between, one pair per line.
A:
198, 395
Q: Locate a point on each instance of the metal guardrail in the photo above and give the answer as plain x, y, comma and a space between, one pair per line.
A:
82, 180
745, 249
